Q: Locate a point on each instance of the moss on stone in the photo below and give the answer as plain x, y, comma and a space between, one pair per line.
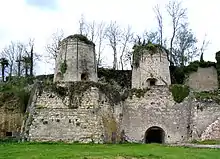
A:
75, 91
13, 95
63, 67
112, 134
214, 96
138, 92
81, 38
179, 92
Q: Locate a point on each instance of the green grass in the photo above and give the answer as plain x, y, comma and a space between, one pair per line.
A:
90, 151
207, 142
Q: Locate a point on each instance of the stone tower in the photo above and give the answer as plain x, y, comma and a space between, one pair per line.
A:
152, 68
76, 60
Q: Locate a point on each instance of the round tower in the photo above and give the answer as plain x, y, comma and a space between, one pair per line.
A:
76, 60
150, 67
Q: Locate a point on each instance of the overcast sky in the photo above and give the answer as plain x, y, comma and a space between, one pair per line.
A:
39, 19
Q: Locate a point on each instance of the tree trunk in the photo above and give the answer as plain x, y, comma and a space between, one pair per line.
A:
3, 73
32, 62
115, 59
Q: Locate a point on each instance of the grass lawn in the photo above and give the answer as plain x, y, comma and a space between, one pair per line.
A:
93, 151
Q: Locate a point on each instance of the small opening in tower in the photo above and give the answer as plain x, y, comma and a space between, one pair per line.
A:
152, 81
8, 134
84, 77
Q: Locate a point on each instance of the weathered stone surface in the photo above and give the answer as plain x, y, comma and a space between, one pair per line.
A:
151, 66
10, 122
205, 79
80, 59
157, 108
53, 120
212, 132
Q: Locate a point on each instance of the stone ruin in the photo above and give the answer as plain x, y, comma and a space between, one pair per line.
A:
80, 107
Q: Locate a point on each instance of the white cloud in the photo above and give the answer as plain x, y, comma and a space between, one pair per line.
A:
21, 21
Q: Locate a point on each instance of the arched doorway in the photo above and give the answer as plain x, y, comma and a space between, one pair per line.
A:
154, 135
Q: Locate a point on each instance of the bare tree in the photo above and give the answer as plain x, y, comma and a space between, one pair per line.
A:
177, 14
83, 26
14, 52
126, 39
160, 23
31, 57
53, 47
204, 46
184, 46
113, 34
101, 37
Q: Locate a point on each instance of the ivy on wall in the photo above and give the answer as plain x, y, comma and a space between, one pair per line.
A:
138, 51
214, 96
63, 67
179, 92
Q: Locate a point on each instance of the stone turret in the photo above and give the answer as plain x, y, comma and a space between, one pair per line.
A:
150, 67
76, 60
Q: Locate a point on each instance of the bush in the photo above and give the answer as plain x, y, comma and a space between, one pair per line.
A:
179, 92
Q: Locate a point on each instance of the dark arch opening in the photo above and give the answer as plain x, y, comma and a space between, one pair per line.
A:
154, 135
151, 81
84, 77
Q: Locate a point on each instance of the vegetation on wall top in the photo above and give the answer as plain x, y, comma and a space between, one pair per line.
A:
121, 77
75, 91
179, 74
138, 51
214, 96
13, 94
81, 38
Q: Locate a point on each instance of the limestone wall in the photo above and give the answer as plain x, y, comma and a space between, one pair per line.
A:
151, 66
157, 108
205, 121
80, 59
10, 122
53, 120
205, 79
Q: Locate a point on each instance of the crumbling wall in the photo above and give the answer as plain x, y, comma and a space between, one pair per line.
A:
54, 120
205, 79
205, 123
76, 58
156, 108
154, 66
10, 122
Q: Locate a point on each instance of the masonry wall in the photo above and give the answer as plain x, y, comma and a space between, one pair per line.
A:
205, 121
53, 120
80, 59
156, 108
10, 122
151, 66
205, 79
